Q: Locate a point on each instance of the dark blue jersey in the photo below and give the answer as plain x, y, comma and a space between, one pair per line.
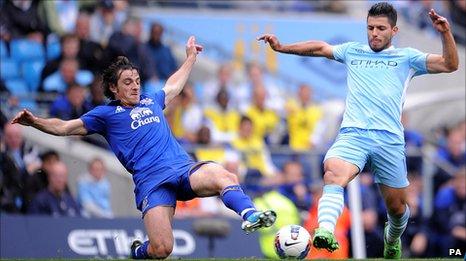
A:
141, 139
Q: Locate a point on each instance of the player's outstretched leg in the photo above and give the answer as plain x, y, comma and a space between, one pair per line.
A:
392, 233
330, 208
259, 219
234, 198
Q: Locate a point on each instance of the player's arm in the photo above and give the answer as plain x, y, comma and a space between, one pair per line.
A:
448, 61
51, 126
308, 48
176, 82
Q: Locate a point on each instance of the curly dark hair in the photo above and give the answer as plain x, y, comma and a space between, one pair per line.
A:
384, 9
113, 72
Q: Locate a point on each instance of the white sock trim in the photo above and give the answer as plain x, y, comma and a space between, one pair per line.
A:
246, 211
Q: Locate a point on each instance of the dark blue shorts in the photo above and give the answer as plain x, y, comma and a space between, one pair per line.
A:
167, 193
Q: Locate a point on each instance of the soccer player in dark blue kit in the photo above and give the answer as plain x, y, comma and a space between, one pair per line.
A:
139, 135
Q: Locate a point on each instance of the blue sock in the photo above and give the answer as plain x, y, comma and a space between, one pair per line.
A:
234, 198
141, 251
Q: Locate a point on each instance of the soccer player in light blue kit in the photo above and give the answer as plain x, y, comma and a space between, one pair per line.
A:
138, 133
371, 131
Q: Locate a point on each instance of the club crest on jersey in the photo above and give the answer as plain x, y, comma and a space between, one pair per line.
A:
146, 101
142, 116
119, 109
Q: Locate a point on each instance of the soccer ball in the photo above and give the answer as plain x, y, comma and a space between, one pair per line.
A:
292, 241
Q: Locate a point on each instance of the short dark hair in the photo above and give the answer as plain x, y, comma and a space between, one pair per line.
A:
245, 118
49, 154
384, 9
112, 74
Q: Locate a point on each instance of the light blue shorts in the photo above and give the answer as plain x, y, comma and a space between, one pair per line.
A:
383, 151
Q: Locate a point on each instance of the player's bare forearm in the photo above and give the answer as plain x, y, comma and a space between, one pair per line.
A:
59, 127
176, 82
309, 48
450, 53
52, 126
448, 61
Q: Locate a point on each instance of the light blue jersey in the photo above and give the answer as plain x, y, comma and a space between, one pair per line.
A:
371, 133
377, 83
142, 141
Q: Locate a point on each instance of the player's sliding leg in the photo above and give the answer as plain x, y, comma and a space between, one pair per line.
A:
157, 221
337, 175
212, 179
398, 215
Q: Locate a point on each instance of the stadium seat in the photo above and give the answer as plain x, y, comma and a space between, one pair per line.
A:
53, 50
8, 69
3, 50
23, 50
31, 71
17, 87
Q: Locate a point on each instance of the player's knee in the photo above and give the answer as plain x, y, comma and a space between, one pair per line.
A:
331, 177
231, 178
396, 207
226, 179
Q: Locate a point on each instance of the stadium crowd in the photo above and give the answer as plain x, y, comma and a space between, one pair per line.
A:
51, 54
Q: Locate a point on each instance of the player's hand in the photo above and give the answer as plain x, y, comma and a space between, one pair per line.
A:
24, 117
192, 48
440, 23
271, 39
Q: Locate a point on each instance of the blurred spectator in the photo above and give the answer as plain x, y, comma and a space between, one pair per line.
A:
11, 181
67, 75
71, 105
294, 186
39, 179
24, 155
222, 82
61, 15
413, 142
104, 22
370, 215
303, 117
450, 157
9, 102
450, 214
90, 53
165, 63
223, 120
243, 94
69, 50
264, 120
185, 115
191, 208
55, 200
285, 209
20, 18
457, 10
96, 92
417, 236
341, 229
94, 191
208, 150
256, 155
127, 42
